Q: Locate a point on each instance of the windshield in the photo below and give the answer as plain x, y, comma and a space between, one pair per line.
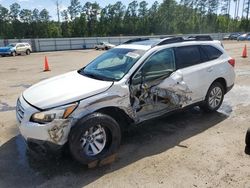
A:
112, 65
11, 45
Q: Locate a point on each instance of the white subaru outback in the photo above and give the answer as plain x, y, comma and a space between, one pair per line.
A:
136, 81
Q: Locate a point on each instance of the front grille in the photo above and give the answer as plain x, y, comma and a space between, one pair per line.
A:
19, 111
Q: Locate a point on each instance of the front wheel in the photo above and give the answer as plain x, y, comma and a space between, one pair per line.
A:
214, 97
94, 138
13, 54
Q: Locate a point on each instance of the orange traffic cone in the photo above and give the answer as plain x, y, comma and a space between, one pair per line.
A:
46, 65
244, 53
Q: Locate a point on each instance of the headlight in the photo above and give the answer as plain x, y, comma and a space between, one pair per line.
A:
58, 113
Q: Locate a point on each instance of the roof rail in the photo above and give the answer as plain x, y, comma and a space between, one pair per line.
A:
135, 40
170, 40
200, 38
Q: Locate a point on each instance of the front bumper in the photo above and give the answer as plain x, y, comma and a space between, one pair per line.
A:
55, 132
5, 53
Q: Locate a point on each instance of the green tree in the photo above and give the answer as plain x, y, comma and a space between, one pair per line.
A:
26, 15
91, 12
143, 18
14, 11
130, 18
74, 9
44, 15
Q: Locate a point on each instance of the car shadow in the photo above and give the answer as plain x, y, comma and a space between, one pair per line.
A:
150, 138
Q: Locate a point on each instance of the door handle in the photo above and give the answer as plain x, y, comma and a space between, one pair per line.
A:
210, 69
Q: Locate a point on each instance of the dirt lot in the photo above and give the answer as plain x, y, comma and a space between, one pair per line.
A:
188, 149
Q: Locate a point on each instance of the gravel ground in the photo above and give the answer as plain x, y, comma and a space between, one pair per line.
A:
188, 149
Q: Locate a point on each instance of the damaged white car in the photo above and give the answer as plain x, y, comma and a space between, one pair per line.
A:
136, 81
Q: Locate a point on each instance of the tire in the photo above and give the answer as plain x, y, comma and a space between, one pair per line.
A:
247, 139
13, 54
214, 97
27, 52
106, 48
81, 141
96, 48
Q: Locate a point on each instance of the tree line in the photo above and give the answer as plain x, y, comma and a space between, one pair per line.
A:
137, 18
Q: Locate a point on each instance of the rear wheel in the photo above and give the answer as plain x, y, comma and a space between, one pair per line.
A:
94, 138
27, 52
214, 97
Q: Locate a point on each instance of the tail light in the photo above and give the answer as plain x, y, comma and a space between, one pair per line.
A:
232, 62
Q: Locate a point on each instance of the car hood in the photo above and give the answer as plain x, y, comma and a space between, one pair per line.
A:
64, 89
5, 48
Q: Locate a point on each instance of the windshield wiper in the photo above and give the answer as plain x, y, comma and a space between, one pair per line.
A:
97, 77
92, 76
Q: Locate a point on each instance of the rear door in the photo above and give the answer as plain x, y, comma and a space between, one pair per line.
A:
194, 64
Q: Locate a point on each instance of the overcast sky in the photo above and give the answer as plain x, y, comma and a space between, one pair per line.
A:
50, 4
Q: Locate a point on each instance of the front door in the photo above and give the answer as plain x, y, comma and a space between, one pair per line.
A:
20, 48
157, 87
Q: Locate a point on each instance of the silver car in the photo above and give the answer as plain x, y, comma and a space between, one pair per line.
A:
104, 46
134, 82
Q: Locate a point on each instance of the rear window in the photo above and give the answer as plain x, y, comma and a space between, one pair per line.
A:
212, 52
187, 56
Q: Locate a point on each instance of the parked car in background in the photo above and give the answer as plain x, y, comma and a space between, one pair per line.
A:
14, 49
104, 46
245, 36
232, 36
226, 37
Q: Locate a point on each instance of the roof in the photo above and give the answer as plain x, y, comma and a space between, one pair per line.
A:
147, 43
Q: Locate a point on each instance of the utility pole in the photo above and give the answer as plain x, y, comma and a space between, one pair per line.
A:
238, 7
58, 3
243, 9
235, 10
248, 4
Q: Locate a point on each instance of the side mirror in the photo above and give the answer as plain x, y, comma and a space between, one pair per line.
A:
178, 76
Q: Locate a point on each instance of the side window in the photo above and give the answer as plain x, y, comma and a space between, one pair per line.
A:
187, 56
204, 56
161, 64
20, 45
212, 52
